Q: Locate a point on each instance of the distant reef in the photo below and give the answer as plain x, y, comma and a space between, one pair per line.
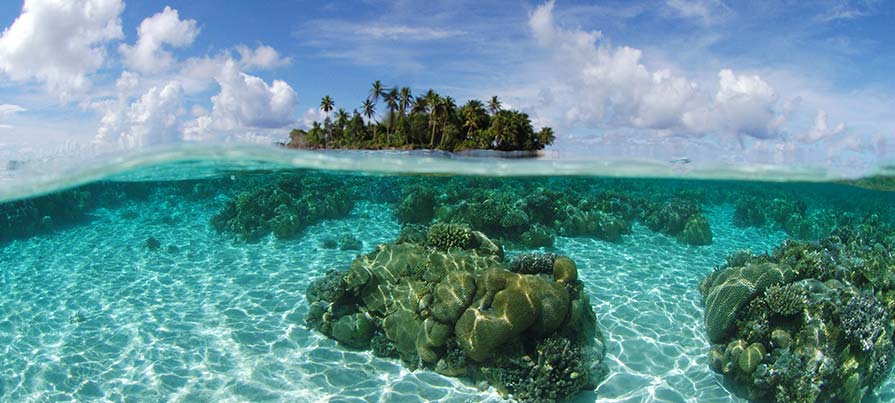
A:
445, 299
429, 121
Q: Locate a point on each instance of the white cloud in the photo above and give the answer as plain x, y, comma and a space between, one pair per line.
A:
821, 129
847, 10
245, 101
708, 11
148, 55
743, 104
261, 58
391, 32
60, 43
152, 119
198, 73
312, 115
7, 110
603, 85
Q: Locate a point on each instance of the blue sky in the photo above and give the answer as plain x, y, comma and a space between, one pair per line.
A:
765, 81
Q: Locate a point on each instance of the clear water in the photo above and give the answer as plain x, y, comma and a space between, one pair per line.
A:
88, 313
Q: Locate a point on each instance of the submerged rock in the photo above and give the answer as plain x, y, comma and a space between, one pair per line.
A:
449, 303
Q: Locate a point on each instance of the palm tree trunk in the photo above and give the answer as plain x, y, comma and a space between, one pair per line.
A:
443, 128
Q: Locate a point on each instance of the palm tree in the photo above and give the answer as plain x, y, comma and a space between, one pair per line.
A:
391, 102
473, 112
341, 118
370, 112
420, 105
405, 99
494, 105
376, 91
545, 137
369, 109
434, 102
327, 104
391, 99
447, 106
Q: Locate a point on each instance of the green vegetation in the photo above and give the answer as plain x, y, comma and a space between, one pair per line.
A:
429, 121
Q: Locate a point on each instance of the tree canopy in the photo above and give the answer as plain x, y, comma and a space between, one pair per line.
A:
428, 121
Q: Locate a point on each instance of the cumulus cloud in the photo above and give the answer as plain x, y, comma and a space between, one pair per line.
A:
245, 101
261, 58
607, 85
821, 129
744, 104
198, 73
152, 119
60, 43
312, 115
148, 55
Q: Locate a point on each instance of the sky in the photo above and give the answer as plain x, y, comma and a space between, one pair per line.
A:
762, 81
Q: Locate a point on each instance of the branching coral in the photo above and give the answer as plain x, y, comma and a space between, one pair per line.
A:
557, 370
785, 300
533, 263
863, 320
446, 236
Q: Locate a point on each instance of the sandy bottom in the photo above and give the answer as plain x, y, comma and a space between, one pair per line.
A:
89, 314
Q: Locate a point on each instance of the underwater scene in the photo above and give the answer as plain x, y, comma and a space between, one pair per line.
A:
300, 285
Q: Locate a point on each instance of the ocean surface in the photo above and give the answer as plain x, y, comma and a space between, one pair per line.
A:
115, 286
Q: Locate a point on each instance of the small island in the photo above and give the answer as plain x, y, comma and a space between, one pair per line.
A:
430, 121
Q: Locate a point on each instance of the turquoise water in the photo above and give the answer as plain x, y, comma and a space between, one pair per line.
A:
92, 309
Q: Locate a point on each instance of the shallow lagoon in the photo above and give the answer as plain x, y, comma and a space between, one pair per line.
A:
90, 312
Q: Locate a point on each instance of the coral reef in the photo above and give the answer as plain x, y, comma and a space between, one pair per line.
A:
784, 212
417, 206
22, 218
449, 302
806, 323
350, 242
532, 214
533, 263
283, 208
679, 217
446, 236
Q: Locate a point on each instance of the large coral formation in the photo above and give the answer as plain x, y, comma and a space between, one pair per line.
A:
729, 290
807, 322
681, 218
284, 207
450, 303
